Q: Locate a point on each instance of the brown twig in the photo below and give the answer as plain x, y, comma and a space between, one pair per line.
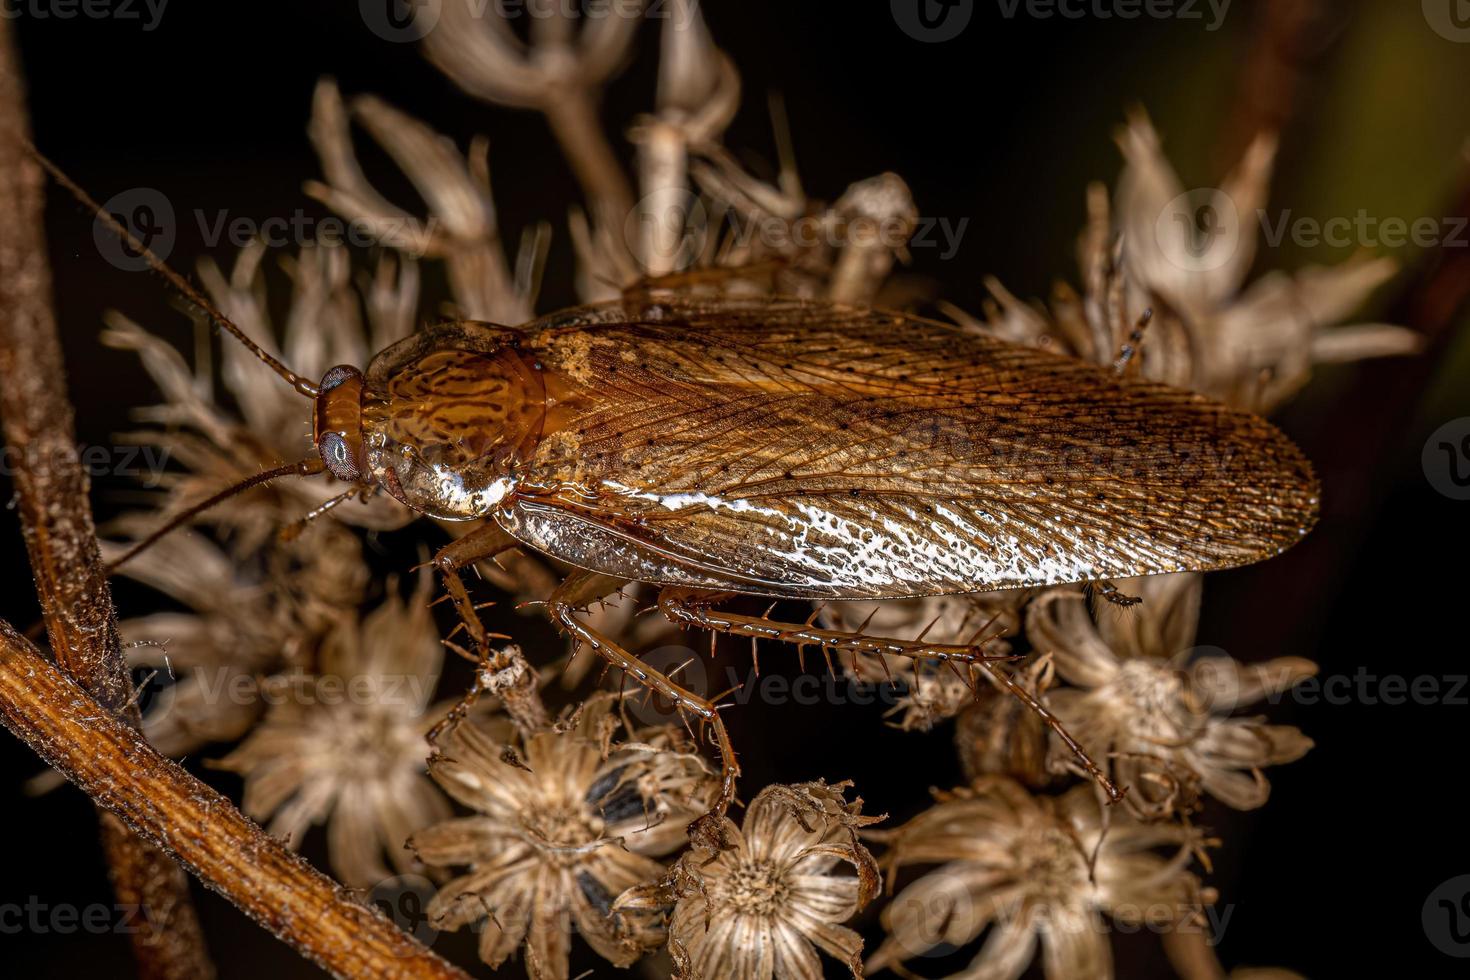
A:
114, 765
57, 523
1289, 40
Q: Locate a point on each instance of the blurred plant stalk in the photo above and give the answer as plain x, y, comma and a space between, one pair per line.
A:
51, 493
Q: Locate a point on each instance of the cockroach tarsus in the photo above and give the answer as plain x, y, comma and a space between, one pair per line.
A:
789, 449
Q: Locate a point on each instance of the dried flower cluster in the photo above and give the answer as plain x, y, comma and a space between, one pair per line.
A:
564, 821
1030, 870
576, 826
766, 905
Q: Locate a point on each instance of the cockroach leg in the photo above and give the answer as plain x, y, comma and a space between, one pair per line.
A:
646, 290
1130, 347
1054, 723
485, 541
575, 594
692, 607
293, 530
1116, 596
503, 672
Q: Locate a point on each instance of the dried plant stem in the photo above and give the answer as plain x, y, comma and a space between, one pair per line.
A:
57, 523
113, 764
573, 119
1192, 955
515, 681
664, 165
1288, 41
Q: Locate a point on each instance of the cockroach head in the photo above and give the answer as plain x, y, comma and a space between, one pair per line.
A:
337, 422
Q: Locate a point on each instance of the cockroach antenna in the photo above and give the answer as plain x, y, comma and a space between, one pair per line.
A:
1134, 341
194, 296
307, 467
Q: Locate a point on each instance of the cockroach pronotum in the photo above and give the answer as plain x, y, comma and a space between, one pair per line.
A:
788, 449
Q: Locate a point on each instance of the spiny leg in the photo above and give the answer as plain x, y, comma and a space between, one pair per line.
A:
485, 541
692, 607
1113, 594
507, 671
582, 589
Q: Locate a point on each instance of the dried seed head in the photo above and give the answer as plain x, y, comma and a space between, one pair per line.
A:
1164, 722
1029, 870
560, 830
764, 904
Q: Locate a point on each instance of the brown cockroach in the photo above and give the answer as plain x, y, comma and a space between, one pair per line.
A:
790, 449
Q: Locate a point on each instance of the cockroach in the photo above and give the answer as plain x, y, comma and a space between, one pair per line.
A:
788, 449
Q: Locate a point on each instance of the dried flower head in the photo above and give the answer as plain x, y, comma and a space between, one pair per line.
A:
1184, 255
998, 735
565, 820
329, 322
1189, 253
763, 907
927, 692
1162, 719
236, 628
1026, 869
345, 745
462, 229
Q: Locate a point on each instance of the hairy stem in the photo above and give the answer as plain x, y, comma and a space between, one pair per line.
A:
114, 765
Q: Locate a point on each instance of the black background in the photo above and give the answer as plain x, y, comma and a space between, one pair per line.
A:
1004, 126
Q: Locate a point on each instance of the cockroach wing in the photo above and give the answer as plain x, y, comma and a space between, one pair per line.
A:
789, 448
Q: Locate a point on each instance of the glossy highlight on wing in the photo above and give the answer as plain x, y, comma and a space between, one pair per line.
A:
805, 449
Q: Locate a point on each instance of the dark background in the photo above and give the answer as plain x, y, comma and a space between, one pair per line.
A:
1003, 125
